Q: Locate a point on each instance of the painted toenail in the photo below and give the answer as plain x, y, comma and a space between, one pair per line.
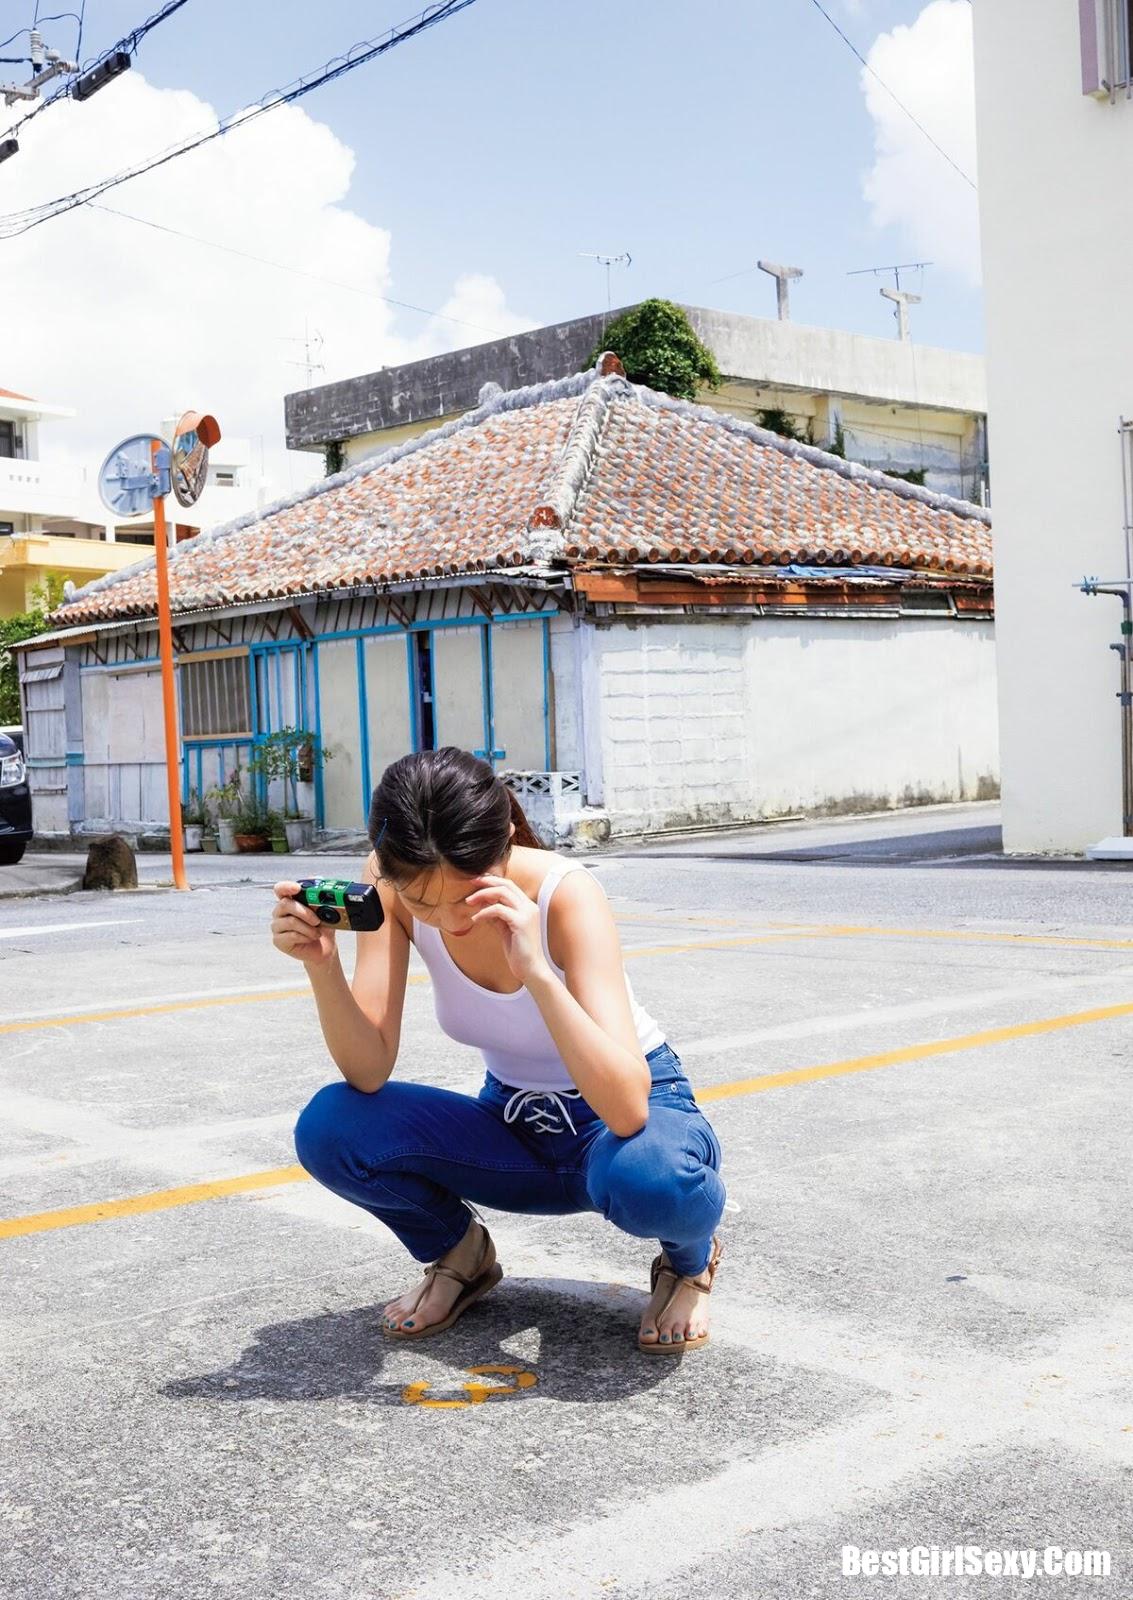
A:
664, 1338
408, 1324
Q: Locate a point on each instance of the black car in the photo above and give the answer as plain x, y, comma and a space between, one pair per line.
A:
15, 802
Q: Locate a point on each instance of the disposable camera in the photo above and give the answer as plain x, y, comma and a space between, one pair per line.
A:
342, 904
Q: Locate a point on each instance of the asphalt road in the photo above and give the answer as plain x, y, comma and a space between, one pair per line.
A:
916, 1057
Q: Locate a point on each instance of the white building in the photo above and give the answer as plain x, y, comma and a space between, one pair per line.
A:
52, 519
886, 403
1055, 124
651, 614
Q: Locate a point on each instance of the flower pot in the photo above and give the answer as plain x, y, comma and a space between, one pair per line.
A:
210, 845
279, 843
250, 841
226, 834
300, 832
194, 832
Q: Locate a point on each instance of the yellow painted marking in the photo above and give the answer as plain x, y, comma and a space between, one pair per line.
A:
158, 1200
65, 1019
414, 1393
164, 1199
913, 1052
1056, 941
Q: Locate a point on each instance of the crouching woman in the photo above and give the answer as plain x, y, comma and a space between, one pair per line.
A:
584, 1106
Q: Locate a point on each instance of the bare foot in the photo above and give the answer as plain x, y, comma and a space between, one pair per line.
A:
686, 1317
437, 1301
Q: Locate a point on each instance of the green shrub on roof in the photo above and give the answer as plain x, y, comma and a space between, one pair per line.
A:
657, 346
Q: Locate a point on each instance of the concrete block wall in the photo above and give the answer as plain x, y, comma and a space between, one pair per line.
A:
728, 719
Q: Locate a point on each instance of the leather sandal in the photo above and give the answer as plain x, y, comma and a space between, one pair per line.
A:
487, 1274
662, 1267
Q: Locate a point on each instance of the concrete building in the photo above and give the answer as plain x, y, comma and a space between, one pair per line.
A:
1055, 126
647, 613
897, 406
52, 520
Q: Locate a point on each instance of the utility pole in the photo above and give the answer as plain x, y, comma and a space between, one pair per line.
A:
45, 65
902, 300
783, 277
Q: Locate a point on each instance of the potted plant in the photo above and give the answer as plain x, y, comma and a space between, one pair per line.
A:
226, 800
253, 825
210, 843
194, 817
278, 833
291, 756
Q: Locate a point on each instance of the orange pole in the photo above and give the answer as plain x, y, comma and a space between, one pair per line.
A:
168, 697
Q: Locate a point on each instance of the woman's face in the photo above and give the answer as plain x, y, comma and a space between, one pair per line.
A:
438, 898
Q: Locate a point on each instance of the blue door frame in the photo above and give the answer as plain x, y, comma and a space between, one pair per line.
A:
488, 750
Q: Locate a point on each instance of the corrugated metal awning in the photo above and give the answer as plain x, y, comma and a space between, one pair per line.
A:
41, 674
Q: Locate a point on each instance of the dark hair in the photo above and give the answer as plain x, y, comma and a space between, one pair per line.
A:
444, 807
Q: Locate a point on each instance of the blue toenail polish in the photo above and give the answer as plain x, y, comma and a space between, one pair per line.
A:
664, 1338
408, 1324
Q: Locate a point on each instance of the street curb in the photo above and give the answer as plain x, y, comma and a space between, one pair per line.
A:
35, 892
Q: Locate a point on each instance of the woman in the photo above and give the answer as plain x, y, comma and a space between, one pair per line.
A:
583, 1107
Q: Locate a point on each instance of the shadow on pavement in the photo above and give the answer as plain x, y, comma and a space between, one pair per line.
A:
587, 1352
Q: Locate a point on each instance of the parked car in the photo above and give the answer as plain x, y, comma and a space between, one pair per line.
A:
15, 799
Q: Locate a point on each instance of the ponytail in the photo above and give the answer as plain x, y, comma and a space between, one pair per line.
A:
524, 832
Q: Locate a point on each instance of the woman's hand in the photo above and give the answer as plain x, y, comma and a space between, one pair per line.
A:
297, 931
516, 918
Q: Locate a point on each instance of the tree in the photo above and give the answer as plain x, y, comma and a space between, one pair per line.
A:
657, 346
24, 625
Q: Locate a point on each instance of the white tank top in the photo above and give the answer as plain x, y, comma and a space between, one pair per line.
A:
508, 1029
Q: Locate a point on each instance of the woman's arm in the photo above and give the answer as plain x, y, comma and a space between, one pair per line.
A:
588, 1016
361, 1020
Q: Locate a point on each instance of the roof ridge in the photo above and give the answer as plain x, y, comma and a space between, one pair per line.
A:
493, 402
567, 478
814, 454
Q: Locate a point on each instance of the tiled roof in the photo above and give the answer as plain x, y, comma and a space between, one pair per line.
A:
587, 469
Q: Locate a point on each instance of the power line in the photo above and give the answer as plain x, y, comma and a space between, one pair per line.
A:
900, 103
282, 266
19, 222
129, 42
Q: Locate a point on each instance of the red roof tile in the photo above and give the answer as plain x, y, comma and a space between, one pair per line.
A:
586, 469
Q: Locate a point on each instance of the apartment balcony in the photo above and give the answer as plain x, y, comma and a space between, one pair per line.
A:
45, 489
27, 558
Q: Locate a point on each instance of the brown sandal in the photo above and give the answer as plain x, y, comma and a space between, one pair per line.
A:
487, 1274
663, 1267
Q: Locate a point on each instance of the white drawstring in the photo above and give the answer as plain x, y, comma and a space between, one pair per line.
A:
548, 1124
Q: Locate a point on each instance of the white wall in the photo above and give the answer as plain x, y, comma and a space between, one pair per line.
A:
1054, 169
734, 718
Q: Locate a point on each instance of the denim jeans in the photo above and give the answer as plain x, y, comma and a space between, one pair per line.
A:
411, 1155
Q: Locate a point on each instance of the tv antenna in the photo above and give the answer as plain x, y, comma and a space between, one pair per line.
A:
902, 298
312, 342
608, 261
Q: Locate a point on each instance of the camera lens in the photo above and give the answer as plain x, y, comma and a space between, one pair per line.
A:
326, 913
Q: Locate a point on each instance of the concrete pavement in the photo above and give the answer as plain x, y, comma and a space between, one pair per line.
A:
916, 1066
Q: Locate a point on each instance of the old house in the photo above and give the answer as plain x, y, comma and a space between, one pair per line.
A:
649, 613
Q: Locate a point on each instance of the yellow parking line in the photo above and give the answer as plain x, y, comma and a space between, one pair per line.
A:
165, 1199
1056, 941
914, 1052
159, 1200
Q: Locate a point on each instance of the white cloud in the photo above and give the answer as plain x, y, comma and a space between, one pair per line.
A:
129, 325
928, 66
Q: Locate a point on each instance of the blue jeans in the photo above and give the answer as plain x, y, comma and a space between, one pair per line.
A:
411, 1155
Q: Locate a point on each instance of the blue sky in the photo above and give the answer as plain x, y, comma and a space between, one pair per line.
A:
696, 136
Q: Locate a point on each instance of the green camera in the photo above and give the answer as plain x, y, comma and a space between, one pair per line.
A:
342, 904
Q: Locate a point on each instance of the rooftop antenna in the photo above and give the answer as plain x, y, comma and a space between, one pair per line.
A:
312, 342
782, 276
608, 261
902, 298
